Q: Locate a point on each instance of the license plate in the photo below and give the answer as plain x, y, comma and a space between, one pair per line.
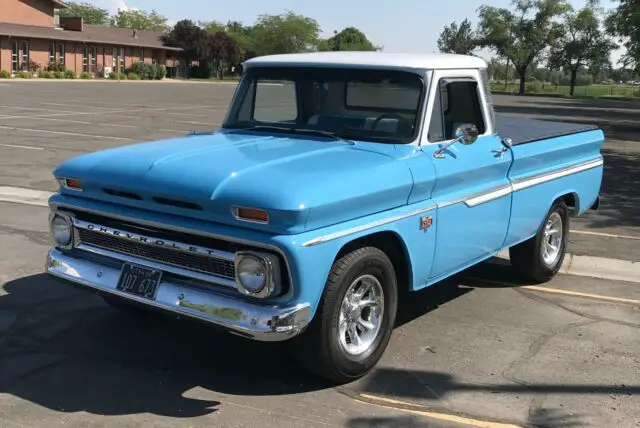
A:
139, 281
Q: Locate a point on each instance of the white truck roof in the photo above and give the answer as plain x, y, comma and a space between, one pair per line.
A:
372, 59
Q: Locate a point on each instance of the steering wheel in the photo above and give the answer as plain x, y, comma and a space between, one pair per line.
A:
391, 115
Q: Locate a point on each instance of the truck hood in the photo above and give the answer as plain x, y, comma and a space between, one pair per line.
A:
303, 182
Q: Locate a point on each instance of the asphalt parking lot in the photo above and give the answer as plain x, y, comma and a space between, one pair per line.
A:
481, 349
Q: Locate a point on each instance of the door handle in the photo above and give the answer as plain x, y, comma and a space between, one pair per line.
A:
500, 151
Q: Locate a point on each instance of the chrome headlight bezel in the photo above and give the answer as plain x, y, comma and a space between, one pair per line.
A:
68, 220
271, 267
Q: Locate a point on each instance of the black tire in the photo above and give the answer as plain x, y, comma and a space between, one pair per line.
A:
318, 348
527, 257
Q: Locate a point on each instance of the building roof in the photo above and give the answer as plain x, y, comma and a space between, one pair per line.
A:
60, 4
372, 59
90, 34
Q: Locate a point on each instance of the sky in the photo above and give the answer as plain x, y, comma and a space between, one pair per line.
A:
396, 25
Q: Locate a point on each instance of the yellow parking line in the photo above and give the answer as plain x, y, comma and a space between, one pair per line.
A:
579, 294
395, 405
608, 235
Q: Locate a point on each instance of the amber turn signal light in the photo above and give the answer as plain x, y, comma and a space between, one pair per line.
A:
71, 183
251, 214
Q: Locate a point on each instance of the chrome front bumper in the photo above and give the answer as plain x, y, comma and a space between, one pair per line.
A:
263, 323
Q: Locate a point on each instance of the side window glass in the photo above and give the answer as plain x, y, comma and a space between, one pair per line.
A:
275, 101
436, 128
463, 107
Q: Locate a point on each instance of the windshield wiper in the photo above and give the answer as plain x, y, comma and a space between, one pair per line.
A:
295, 131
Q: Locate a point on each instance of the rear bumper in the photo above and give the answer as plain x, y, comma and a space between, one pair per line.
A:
262, 323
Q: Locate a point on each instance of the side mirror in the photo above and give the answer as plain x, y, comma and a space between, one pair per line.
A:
467, 133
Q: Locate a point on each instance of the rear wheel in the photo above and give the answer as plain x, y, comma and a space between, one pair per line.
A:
539, 259
355, 318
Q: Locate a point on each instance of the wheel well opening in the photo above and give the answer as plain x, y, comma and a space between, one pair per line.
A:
393, 247
571, 199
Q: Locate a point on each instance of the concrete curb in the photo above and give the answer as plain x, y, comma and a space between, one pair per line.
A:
593, 267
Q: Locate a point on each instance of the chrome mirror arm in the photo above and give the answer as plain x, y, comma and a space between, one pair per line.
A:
466, 133
439, 154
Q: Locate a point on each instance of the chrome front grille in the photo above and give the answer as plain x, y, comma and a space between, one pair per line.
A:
166, 255
203, 258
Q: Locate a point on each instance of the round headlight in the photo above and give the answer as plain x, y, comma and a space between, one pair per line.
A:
61, 229
252, 274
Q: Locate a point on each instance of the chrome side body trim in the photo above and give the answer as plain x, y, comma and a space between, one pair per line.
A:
154, 242
55, 205
259, 322
371, 225
159, 266
489, 196
469, 200
534, 180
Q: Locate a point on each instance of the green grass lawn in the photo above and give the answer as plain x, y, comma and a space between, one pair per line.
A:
596, 91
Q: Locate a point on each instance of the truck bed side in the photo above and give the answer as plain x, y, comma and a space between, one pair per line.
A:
525, 130
550, 160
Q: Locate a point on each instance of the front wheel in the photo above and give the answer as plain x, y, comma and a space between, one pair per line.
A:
355, 318
539, 259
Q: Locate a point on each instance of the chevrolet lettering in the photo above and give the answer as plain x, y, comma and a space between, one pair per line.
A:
336, 181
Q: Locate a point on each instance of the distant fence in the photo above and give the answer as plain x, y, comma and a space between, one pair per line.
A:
585, 91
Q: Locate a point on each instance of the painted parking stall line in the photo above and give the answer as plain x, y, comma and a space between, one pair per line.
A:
75, 134
19, 195
418, 410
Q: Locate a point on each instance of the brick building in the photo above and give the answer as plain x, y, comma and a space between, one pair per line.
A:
30, 33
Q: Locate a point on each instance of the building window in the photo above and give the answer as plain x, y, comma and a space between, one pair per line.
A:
14, 57
118, 54
93, 58
61, 54
52, 53
25, 56
141, 55
85, 59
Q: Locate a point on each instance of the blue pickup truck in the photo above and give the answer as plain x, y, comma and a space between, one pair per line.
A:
337, 181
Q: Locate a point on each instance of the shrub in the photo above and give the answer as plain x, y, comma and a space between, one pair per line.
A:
161, 72
24, 75
85, 75
58, 74
145, 71
55, 66
4, 74
114, 76
132, 76
70, 74
46, 74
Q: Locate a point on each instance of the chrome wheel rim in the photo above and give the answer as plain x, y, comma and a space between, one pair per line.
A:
361, 314
552, 240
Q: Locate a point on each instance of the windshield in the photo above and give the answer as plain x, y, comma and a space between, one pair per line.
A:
354, 104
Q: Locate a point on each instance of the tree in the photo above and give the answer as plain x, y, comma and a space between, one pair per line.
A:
624, 23
583, 43
194, 41
521, 36
244, 36
89, 13
224, 52
349, 39
285, 33
457, 40
140, 20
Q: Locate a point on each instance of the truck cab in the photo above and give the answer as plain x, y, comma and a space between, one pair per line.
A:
336, 181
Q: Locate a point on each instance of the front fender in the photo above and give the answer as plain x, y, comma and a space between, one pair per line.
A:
312, 254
